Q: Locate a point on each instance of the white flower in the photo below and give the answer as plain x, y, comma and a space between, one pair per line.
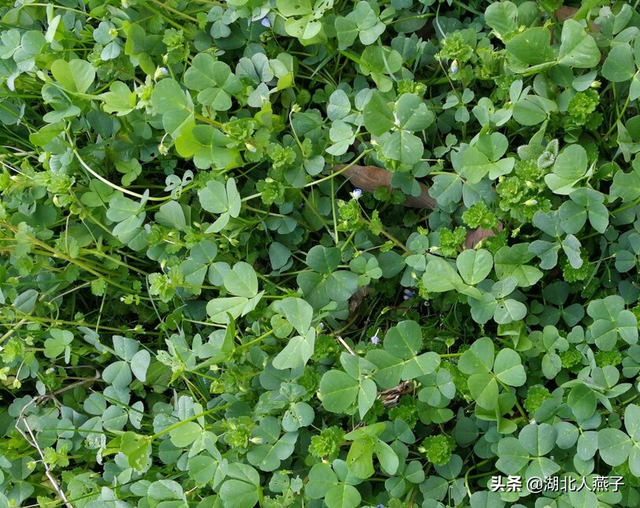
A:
356, 193
160, 71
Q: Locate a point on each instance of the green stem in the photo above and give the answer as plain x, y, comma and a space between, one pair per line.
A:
177, 425
626, 207
620, 115
256, 340
113, 185
389, 236
466, 475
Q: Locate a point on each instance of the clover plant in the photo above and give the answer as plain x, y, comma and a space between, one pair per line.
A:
295, 253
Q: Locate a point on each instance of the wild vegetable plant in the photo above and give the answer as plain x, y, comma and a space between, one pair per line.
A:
200, 310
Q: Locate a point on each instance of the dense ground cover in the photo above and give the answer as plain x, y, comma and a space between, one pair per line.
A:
198, 309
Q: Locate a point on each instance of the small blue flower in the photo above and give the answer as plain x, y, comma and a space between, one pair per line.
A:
265, 22
454, 67
380, 506
356, 193
375, 340
407, 294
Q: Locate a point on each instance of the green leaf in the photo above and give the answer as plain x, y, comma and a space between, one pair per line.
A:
75, 76
508, 368
510, 261
512, 456
538, 439
360, 458
582, 402
389, 368
476, 165
137, 449
387, 457
168, 96
532, 47
321, 479
339, 105
58, 343
634, 459
297, 352
508, 311
484, 389
627, 325
542, 467
347, 31
163, 490
202, 469
378, 116
220, 308
341, 285
205, 72
486, 499
634, 89
632, 421
446, 189
185, 434
238, 494
577, 49
171, 215
412, 113
440, 276
404, 340
366, 396
404, 147
342, 496
474, 265
502, 17
533, 110
369, 26
571, 247
421, 365
627, 185
619, 65
323, 259
294, 7
207, 146
304, 28
298, 415
569, 168
242, 280
140, 363
614, 446
120, 99
338, 391
118, 374
478, 358
298, 312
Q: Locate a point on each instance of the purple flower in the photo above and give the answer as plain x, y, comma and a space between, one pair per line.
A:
375, 340
407, 294
356, 193
265, 22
